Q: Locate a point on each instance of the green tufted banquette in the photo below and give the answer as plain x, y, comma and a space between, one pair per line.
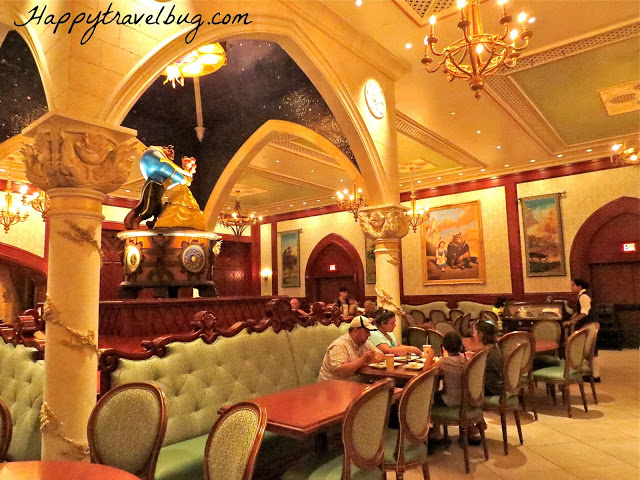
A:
21, 387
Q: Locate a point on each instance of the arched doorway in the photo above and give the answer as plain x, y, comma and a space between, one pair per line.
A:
598, 255
333, 263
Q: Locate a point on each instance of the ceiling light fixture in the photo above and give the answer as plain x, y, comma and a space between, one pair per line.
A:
478, 54
237, 221
623, 155
560, 156
416, 217
10, 215
39, 201
588, 150
408, 45
351, 202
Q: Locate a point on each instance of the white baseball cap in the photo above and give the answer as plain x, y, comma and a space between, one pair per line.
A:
362, 322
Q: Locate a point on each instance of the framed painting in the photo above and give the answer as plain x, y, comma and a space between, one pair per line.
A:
370, 260
452, 248
542, 231
290, 258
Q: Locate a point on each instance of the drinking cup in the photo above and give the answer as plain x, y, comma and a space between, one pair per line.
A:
388, 358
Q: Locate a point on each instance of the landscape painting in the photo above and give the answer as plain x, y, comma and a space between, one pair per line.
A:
543, 242
452, 248
290, 248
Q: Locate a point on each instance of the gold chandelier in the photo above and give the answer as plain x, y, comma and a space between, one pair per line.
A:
623, 155
419, 216
10, 215
478, 54
40, 201
351, 202
237, 221
202, 61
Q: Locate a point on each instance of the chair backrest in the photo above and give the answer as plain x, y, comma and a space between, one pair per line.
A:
574, 351
233, 443
511, 340
6, 429
436, 316
434, 338
418, 316
489, 315
364, 427
547, 330
454, 314
126, 428
473, 381
512, 367
414, 410
444, 328
465, 325
592, 337
417, 337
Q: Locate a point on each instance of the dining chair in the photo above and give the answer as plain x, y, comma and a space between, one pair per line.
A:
126, 428
233, 443
569, 371
454, 314
508, 399
465, 325
506, 344
549, 330
417, 337
408, 448
419, 316
436, 316
434, 338
490, 316
6, 430
469, 413
589, 352
444, 327
363, 439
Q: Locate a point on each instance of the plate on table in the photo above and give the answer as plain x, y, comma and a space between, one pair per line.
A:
412, 358
382, 365
414, 366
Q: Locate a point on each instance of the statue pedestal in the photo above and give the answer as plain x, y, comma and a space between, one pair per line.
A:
167, 259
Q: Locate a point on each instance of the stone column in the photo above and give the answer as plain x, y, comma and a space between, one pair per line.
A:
77, 164
387, 225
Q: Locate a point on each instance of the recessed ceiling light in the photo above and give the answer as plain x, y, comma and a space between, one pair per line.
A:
333, 198
127, 191
532, 19
498, 147
277, 208
439, 178
304, 203
419, 181
477, 131
400, 185
589, 150
506, 165
493, 178
408, 45
277, 161
2, 170
560, 156
482, 169
266, 209
532, 160
291, 204
312, 171
460, 173
453, 113
317, 200
358, 3
342, 179
228, 208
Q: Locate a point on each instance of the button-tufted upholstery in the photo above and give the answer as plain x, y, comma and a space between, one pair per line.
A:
427, 307
21, 387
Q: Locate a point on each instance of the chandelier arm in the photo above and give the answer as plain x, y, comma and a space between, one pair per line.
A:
486, 65
434, 52
461, 73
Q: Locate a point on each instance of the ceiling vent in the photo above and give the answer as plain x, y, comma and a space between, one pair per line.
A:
623, 98
420, 10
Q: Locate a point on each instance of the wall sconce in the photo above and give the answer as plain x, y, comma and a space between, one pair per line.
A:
266, 274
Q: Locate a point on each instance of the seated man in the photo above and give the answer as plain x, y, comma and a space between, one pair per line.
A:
295, 306
350, 352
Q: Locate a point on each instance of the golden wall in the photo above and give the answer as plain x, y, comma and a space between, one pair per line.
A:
265, 258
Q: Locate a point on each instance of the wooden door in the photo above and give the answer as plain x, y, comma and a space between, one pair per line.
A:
232, 270
616, 283
112, 271
328, 287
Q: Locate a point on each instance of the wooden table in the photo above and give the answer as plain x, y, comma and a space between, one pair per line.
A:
400, 374
471, 345
53, 470
305, 410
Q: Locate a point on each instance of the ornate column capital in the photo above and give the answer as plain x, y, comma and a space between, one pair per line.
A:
73, 153
384, 222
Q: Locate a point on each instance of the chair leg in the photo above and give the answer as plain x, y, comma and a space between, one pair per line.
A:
445, 438
584, 398
465, 448
517, 417
533, 401
481, 428
552, 389
567, 394
564, 400
593, 389
425, 471
523, 399
503, 422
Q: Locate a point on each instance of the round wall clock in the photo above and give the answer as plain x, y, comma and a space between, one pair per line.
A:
193, 258
374, 96
131, 258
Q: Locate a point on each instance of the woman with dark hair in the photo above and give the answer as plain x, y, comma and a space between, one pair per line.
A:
486, 332
384, 338
452, 367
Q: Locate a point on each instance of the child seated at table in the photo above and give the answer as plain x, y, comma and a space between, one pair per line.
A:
452, 368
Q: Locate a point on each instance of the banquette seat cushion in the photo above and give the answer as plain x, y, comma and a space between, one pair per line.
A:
474, 308
21, 387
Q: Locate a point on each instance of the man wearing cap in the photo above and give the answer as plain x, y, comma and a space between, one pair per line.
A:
350, 352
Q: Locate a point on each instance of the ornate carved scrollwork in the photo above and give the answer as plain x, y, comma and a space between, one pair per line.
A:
386, 223
66, 156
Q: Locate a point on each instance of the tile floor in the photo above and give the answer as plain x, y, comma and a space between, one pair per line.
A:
601, 444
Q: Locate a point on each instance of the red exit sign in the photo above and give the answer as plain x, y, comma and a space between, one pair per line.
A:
630, 247
332, 268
